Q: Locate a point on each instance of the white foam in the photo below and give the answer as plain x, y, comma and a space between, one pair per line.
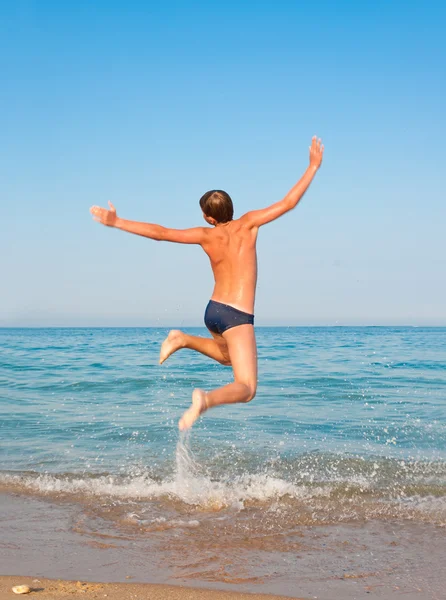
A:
192, 485
188, 484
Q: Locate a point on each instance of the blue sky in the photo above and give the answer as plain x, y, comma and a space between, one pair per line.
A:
151, 104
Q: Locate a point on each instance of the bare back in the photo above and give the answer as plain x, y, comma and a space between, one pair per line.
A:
231, 248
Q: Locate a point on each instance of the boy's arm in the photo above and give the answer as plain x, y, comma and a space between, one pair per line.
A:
256, 218
149, 230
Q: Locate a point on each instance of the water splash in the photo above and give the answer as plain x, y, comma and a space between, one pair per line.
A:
186, 464
187, 469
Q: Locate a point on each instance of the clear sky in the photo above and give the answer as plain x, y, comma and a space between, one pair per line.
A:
150, 104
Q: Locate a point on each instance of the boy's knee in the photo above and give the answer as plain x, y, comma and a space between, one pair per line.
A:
226, 362
252, 390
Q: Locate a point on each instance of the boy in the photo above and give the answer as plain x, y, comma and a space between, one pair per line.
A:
231, 247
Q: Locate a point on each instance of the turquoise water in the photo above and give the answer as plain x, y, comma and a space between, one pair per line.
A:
343, 417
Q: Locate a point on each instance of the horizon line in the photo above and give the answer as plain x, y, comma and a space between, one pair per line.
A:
407, 325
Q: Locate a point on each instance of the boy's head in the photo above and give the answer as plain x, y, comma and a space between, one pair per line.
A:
217, 207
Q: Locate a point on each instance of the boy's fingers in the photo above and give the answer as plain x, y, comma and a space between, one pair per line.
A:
111, 206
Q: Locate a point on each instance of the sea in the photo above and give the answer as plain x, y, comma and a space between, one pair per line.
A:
333, 473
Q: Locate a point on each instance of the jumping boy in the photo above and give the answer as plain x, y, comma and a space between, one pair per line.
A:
231, 247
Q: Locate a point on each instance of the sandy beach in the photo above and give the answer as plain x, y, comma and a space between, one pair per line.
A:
49, 589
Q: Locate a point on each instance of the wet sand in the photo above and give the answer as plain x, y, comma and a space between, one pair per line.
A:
49, 589
352, 561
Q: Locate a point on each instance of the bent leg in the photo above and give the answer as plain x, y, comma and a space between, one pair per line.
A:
213, 348
243, 355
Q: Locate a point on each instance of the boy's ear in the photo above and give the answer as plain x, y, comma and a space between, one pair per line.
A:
209, 220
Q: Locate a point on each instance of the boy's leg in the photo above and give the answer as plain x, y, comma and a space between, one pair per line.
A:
214, 348
242, 349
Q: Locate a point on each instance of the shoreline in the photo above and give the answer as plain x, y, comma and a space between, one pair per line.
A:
352, 561
53, 589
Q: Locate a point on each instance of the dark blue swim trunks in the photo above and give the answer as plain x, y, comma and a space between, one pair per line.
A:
219, 317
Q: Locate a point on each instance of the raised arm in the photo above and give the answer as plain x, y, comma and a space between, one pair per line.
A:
149, 230
256, 218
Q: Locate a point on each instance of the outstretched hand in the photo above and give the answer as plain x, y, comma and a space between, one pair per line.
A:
316, 152
104, 216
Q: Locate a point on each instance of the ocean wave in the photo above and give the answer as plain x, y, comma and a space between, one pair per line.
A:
315, 488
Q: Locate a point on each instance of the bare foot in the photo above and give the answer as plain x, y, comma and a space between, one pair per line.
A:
172, 343
198, 407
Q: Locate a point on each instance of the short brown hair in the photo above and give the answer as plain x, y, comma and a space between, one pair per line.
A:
218, 205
